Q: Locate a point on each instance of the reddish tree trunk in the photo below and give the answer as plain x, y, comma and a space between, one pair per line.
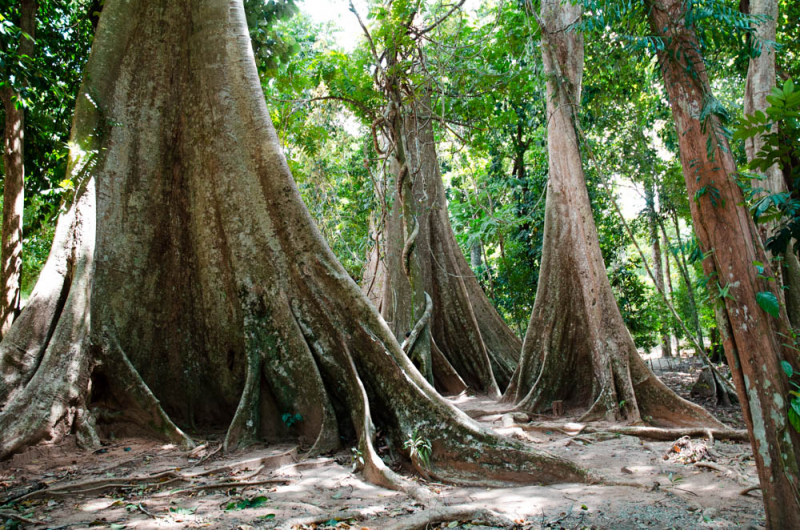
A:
577, 348
14, 183
727, 235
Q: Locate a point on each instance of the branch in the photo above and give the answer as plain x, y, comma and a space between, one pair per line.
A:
350, 101
429, 28
366, 32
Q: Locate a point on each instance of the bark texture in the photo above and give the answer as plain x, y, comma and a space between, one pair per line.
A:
761, 79
577, 348
467, 333
189, 259
14, 180
753, 343
658, 267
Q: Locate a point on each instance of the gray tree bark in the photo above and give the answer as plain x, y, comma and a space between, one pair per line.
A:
468, 337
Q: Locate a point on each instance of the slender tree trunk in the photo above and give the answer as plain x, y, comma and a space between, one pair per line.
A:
476, 255
761, 79
188, 264
726, 232
577, 348
683, 267
14, 180
658, 270
668, 273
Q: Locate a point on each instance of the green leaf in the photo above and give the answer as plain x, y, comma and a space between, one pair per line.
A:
769, 303
794, 419
787, 368
796, 405
246, 504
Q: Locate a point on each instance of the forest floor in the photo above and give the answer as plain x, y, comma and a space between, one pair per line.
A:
271, 487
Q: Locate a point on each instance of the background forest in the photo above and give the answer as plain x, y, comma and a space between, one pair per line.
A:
483, 65
383, 226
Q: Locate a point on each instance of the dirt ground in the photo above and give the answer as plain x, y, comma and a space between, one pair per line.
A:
140, 484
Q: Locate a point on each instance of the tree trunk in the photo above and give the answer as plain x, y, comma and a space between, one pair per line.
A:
760, 82
577, 348
465, 328
658, 270
476, 254
668, 274
14, 179
726, 232
205, 275
683, 267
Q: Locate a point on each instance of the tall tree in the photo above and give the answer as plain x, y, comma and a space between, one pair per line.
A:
14, 163
761, 79
577, 348
188, 274
430, 295
755, 347
658, 267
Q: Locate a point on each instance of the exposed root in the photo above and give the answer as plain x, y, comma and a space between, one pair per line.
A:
408, 343
653, 433
732, 473
260, 464
16, 517
242, 430
147, 411
223, 485
309, 520
748, 489
428, 518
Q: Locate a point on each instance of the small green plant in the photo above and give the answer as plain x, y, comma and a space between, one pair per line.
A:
356, 457
420, 449
245, 504
794, 401
291, 419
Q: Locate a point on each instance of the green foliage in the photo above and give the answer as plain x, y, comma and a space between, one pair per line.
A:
420, 449
291, 419
769, 303
779, 129
246, 504
794, 396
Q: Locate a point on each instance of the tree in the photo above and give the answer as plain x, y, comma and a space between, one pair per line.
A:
14, 164
726, 233
430, 295
577, 348
188, 265
760, 81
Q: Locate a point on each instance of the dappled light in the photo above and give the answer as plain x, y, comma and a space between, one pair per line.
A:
305, 264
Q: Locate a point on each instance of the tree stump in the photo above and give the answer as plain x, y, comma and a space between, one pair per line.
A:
558, 408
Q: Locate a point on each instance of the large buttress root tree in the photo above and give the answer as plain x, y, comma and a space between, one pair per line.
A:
754, 342
577, 348
188, 265
426, 290
467, 335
